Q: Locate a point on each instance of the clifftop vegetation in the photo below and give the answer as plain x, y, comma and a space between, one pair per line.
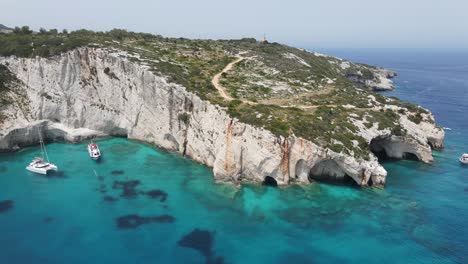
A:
283, 89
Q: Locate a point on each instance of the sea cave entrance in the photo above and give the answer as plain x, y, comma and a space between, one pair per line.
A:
386, 149
270, 181
329, 171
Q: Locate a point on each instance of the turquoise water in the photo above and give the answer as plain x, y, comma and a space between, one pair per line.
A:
420, 217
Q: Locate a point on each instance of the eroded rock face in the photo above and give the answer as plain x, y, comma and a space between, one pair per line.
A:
95, 92
418, 141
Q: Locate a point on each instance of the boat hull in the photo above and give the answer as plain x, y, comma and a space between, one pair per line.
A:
94, 152
42, 171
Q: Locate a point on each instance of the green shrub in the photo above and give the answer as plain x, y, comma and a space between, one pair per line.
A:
417, 118
185, 118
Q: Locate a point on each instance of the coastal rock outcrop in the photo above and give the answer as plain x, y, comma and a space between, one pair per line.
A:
89, 92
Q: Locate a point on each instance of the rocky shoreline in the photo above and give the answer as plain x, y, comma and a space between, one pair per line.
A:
90, 92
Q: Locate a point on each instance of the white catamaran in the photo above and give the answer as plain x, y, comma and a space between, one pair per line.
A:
38, 165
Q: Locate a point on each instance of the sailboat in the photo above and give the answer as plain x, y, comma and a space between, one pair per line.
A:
39, 165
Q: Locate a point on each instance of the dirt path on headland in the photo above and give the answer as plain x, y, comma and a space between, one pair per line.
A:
217, 77
222, 90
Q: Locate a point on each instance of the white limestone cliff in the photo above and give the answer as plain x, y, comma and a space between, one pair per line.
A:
96, 92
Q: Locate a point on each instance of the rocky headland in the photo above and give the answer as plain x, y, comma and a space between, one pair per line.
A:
291, 116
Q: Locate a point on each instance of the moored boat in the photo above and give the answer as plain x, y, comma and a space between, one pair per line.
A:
464, 158
39, 165
94, 151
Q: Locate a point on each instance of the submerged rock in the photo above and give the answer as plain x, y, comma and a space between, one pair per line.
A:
117, 172
200, 240
128, 188
48, 219
134, 221
157, 194
6, 205
109, 198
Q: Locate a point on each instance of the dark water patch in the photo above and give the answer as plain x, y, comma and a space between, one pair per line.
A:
128, 188
102, 188
117, 172
3, 169
6, 205
133, 221
48, 219
466, 189
100, 178
215, 260
109, 198
201, 241
157, 194
296, 257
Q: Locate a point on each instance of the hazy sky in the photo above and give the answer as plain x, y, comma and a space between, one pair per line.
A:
309, 23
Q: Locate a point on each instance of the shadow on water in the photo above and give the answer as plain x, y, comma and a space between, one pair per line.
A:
51, 174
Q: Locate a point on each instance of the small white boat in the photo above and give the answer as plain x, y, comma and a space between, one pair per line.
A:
94, 151
38, 165
464, 158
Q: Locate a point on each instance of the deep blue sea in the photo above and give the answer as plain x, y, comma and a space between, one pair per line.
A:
144, 205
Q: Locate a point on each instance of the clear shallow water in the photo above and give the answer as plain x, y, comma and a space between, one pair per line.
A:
420, 217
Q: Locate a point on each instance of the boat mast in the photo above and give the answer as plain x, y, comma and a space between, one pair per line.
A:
43, 149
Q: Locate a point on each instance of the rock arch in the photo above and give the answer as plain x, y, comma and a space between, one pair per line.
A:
392, 147
329, 170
